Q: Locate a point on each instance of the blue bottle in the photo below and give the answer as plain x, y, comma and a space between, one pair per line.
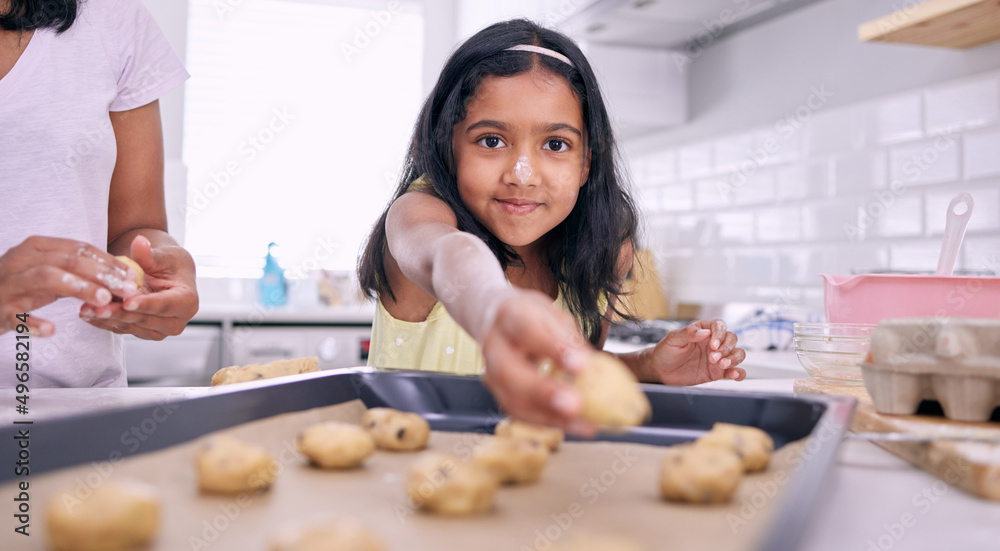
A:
273, 287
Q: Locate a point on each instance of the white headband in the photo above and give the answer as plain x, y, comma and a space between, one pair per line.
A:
541, 50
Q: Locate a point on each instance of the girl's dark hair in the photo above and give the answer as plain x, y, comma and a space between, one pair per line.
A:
27, 15
584, 248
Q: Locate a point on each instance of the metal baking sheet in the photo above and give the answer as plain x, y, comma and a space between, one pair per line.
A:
450, 403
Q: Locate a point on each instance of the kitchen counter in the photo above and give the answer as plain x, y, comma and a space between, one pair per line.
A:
875, 501
871, 501
255, 314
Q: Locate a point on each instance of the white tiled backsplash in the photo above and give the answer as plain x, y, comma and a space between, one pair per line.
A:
756, 215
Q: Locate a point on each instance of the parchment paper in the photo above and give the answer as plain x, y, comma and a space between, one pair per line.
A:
587, 488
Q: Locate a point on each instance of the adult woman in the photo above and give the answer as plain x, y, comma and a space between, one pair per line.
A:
81, 174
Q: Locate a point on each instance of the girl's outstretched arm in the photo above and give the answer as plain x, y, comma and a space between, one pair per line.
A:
431, 260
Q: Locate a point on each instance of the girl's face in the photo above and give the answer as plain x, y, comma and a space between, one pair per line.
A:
521, 155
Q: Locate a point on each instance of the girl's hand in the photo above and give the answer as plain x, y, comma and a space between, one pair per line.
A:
701, 352
43, 269
169, 301
529, 329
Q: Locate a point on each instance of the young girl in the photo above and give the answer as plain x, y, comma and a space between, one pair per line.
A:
511, 233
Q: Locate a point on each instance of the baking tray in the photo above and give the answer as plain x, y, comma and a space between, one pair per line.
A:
449, 403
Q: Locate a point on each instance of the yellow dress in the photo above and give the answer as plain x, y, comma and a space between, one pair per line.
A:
436, 344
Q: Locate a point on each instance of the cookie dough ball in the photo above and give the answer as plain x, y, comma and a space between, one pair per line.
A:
699, 474
445, 485
228, 466
513, 461
119, 514
549, 437
326, 534
140, 275
254, 372
752, 445
336, 445
610, 392
397, 430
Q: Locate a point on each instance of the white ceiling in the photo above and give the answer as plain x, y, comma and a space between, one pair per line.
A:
670, 23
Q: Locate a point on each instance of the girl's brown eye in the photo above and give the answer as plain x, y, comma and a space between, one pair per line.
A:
491, 142
555, 145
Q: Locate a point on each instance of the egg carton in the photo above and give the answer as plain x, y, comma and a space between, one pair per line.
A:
955, 361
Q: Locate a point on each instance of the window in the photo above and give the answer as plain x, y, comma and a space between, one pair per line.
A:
297, 119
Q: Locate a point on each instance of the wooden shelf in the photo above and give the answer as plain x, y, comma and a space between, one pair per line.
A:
943, 23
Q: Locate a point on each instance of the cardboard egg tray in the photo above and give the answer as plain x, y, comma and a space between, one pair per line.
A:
955, 361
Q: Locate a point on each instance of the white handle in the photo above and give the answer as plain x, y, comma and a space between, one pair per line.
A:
959, 212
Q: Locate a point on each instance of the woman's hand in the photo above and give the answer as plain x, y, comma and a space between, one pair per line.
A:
701, 352
528, 330
169, 300
43, 269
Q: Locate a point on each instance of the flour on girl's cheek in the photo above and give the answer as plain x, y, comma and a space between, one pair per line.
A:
523, 169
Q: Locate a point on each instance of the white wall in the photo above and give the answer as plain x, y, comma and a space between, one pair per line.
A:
172, 17
868, 143
440, 31
759, 75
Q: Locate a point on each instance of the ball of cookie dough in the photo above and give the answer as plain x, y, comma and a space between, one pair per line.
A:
396, 430
549, 437
118, 514
610, 392
752, 445
699, 474
139, 273
326, 534
253, 372
444, 484
229, 466
512, 460
334, 445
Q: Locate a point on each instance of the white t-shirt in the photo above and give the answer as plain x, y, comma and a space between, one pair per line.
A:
57, 153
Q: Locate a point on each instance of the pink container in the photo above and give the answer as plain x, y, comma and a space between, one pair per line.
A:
870, 298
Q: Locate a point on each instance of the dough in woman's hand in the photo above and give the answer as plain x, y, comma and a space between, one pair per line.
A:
396, 430
512, 460
444, 484
334, 445
253, 372
228, 466
549, 437
326, 534
140, 275
119, 514
611, 394
752, 445
699, 474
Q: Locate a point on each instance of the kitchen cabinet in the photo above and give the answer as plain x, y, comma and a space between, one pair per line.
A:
334, 345
240, 334
943, 23
188, 359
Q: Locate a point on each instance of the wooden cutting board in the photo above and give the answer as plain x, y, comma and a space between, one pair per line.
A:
971, 466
